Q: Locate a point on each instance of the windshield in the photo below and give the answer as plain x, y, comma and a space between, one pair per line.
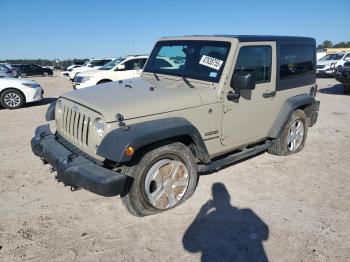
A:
203, 60
111, 64
86, 62
332, 57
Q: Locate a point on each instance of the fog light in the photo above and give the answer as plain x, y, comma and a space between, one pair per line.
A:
129, 151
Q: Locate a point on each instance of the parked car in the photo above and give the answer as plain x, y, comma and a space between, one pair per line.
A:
117, 69
228, 98
69, 69
342, 74
7, 71
33, 70
14, 93
325, 64
89, 65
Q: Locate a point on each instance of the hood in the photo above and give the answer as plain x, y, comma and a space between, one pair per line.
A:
327, 62
134, 98
16, 80
84, 68
92, 72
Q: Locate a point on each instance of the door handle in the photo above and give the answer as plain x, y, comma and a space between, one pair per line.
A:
269, 94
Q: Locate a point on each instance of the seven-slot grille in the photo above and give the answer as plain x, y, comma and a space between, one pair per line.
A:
75, 125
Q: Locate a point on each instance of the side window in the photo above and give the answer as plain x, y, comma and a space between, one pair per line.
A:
296, 61
347, 57
134, 64
103, 62
129, 65
143, 62
96, 63
255, 59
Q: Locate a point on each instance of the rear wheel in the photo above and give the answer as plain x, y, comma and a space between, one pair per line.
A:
292, 139
103, 81
12, 99
163, 179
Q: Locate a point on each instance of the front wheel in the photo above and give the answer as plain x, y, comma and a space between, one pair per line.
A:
292, 139
163, 179
12, 99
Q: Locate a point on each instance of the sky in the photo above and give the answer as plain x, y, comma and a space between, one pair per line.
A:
63, 29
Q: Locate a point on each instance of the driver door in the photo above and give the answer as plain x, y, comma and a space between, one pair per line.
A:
250, 117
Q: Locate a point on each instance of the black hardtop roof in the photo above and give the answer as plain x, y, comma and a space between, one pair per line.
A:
275, 38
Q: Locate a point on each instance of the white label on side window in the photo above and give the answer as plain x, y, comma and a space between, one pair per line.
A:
211, 62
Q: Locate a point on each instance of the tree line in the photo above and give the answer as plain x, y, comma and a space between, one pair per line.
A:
43, 62
329, 44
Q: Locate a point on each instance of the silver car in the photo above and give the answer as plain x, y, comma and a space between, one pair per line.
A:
7, 71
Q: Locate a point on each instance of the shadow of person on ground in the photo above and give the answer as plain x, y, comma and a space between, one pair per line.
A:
226, 233
333, 90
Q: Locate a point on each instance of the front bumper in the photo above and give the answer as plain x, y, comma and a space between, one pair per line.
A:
73, 169
326, 71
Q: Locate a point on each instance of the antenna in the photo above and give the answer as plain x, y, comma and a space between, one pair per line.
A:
133, 51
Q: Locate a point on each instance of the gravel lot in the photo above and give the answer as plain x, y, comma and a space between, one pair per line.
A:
281, 208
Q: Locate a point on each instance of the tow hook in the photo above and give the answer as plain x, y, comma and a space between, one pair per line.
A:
74, 188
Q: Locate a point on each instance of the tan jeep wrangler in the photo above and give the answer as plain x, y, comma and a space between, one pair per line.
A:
202, 102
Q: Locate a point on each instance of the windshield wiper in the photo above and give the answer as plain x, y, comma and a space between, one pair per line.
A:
156, 76
186, 81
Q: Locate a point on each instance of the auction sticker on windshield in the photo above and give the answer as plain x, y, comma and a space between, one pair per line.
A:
211, 62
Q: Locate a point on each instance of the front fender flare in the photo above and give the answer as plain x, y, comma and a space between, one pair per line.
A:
143, 134
50, 113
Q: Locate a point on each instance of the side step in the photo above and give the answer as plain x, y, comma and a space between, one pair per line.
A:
221, 162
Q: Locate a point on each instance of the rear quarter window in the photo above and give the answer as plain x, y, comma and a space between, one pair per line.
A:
296, 61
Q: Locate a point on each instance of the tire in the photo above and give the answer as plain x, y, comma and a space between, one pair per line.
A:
12, 99
152, 180
346, 89
282, 146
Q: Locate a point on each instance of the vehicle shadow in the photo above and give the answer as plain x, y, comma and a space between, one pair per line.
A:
42, 102
222, 232
333, 90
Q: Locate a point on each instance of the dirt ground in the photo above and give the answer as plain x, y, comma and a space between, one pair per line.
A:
294, 208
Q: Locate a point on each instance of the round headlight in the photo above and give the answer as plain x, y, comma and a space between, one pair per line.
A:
100, 126
59, 106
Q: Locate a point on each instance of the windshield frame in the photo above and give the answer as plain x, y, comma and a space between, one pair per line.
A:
162, 43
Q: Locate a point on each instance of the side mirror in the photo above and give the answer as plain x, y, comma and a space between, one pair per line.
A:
120, 67
243, 81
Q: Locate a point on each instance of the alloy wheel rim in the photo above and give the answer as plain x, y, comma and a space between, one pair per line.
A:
166, 183
12, 99
295, 135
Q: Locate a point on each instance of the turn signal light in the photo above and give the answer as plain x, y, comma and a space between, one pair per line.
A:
129, 151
